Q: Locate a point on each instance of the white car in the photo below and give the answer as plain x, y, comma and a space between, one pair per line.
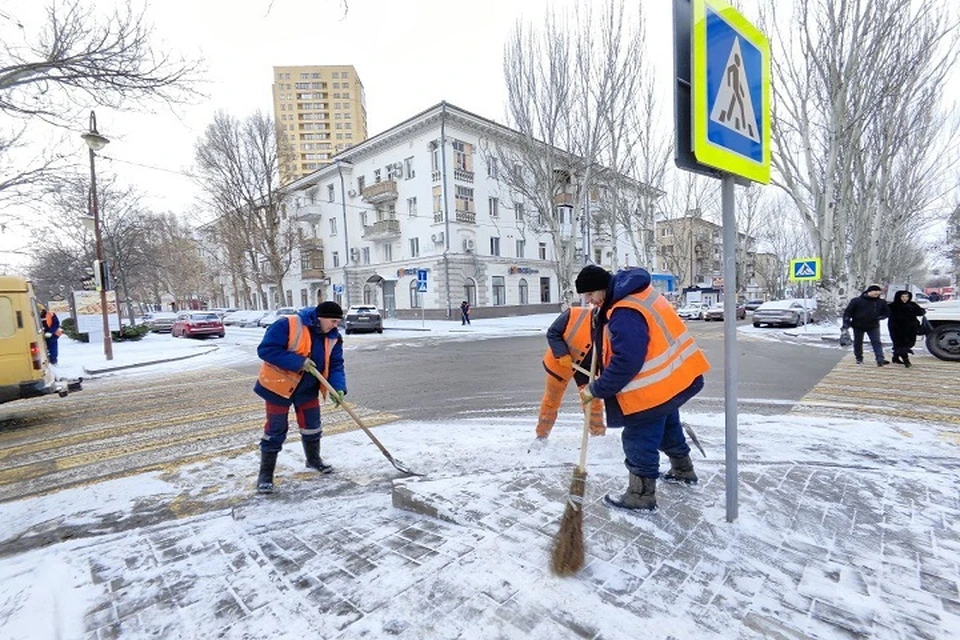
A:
692, 312
273, 316
243, 318
792, 312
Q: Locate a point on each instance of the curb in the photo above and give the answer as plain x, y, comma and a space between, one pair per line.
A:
94, 372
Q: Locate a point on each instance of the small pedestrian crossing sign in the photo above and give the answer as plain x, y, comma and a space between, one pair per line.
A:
802, 269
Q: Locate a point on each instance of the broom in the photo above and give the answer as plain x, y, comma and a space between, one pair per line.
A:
568, 547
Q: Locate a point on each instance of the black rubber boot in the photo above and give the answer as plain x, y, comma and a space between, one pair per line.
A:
641, 495
268, 462
314, 461
681, 470
896, 359
906, 361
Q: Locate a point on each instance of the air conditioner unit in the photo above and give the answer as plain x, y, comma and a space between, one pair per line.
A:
468, 246
437, 238
431, 145
352, 193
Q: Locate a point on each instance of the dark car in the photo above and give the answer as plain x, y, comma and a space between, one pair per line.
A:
197, 324
363, 317
753, 305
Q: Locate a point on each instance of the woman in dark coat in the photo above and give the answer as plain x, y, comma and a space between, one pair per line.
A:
903, 326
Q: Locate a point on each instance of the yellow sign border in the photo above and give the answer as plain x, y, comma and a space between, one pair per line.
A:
705, 151
817, 268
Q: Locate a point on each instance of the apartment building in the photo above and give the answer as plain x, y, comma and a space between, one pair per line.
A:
319, 110
424, 198
691, 248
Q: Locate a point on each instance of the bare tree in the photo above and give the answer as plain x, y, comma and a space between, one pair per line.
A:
76, 59
239, 172
857, 129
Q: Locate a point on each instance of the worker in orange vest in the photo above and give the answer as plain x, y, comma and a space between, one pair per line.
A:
51, 333
569, 346
650, 367
289, 347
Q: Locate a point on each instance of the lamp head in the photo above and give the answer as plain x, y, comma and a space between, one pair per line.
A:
93, 138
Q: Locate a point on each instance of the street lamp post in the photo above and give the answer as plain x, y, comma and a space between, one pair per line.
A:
96, 142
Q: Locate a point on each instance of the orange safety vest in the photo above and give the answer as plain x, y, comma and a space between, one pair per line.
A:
673, 359
577, 335
283, 382
48, 320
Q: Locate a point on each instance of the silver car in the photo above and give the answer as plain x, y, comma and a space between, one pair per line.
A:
792, 312
160, 321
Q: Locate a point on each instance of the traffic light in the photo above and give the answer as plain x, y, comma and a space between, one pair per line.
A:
101, 275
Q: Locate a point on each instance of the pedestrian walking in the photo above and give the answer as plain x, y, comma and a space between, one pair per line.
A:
568, 345
903, 324
464, 313
863, 314
290, 346
51, 333
650, 367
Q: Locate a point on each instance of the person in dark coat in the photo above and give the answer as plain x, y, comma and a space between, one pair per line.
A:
464, 313
903, 325
864, 314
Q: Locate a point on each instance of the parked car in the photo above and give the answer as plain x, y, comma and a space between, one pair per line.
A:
753, 305
363, 317
944, 341
692, 312
273, 316
243, 318
160, 321
221, 312
716, 312
197, 324
790, 312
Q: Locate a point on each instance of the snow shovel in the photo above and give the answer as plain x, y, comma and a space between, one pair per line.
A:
316, 374
686, 427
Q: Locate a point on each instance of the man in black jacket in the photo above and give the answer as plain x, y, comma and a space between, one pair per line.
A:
864, 314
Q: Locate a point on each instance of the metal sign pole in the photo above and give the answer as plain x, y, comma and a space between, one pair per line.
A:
730, 373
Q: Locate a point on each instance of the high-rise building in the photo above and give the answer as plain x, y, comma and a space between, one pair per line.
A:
320, 110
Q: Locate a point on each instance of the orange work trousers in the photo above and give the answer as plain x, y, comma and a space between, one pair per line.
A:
550, 405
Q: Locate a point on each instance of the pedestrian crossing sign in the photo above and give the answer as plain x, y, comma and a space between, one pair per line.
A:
731, 92
802, 269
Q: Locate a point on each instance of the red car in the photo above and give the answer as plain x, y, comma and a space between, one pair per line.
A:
197, 324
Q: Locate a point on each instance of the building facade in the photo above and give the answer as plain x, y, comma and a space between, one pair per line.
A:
424, 198
319, 111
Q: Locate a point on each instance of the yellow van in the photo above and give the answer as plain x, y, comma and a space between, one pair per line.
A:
25, 370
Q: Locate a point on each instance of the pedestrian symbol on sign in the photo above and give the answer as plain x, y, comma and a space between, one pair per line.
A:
805, 270
733, 107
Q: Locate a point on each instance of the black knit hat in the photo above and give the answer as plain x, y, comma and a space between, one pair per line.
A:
873, 287
329, 309
592, 278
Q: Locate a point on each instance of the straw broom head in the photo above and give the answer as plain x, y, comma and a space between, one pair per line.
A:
568, 547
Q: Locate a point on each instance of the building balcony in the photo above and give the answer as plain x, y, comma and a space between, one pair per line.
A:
462, 175
467, 217
384, 191
438, 216
311, 245
309, 213
312, 274
382, 230
435, 176
563, 199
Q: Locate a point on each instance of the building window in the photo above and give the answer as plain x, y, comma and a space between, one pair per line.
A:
361, 183
414, 247
518, 211
470, 292
329, 192
336, 259
333, 226
414, 295
388, 253
304, 298
363, 218
376, 176
412, 207
435, 159
499, 291
521, 245
464, 198
365, 253
542, 251
494, 205
438, 204
524, 294
495, 246
544, 290
491, 166
408, 170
